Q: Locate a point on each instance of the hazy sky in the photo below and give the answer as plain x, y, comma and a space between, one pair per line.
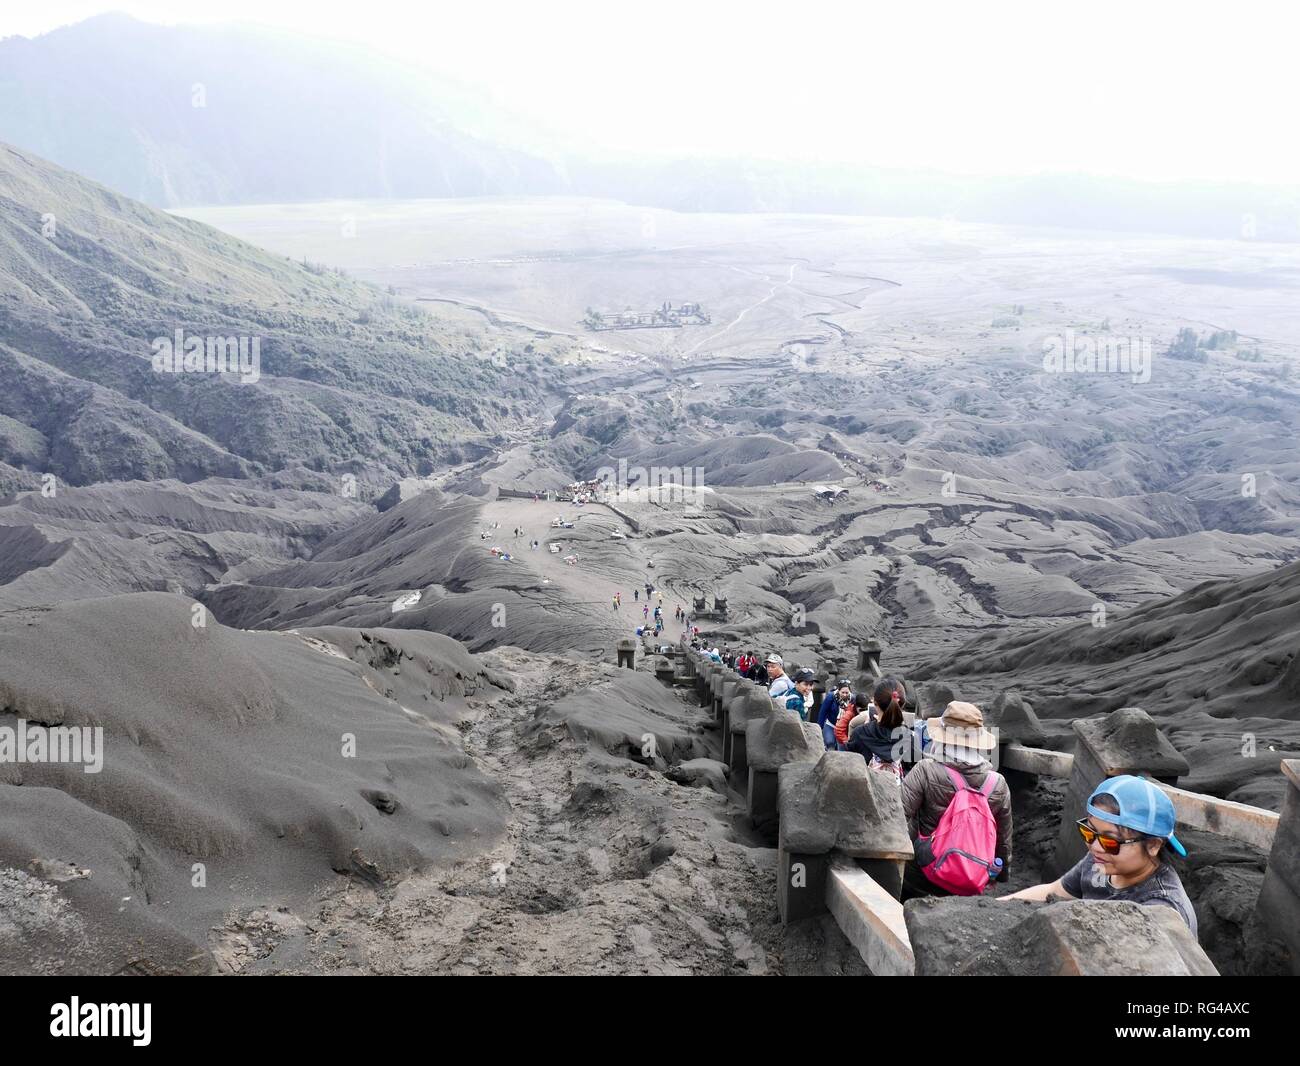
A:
1142, 89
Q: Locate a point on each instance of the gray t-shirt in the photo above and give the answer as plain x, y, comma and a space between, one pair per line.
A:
1163, 888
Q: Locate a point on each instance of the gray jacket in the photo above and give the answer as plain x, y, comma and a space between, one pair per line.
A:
927, 791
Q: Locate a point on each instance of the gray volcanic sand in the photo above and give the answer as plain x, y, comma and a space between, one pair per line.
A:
139, 536
608, 864
502, 813
1216, 667
225, 748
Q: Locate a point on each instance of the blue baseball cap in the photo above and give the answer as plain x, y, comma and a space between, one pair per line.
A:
1142, 807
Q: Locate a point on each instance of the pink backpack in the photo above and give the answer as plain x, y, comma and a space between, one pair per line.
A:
964, 841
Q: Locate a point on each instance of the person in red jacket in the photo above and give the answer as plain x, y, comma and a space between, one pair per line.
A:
859, 709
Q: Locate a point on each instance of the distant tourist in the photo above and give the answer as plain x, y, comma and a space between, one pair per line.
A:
1128, 825
837, 700
800, 698
956, 762
778, 684
876, 738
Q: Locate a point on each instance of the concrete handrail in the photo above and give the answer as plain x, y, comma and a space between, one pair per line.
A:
1225, 818
871, 919
1036, 760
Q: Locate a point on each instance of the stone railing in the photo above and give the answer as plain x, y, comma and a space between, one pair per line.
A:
842, 839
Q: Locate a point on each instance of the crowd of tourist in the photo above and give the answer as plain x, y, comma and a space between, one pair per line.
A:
958, 806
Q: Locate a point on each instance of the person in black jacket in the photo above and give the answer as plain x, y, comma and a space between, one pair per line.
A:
875, 734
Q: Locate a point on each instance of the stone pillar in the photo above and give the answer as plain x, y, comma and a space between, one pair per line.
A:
725, 690
869, 658
770, 743
833, 668
1122, 742
835, 806
1015, 723
704, 680
733, 709
978, 936
664, 670
758, 705
1275, 931
627, 653
1014, 719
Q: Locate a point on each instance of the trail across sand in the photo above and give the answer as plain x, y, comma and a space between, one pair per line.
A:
736, 321
606, 565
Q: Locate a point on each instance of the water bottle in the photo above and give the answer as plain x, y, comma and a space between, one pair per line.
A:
996, 871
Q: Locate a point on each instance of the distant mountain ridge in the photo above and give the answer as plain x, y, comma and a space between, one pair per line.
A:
201, 115
232, 114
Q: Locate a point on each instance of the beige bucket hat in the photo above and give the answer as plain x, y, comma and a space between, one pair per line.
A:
961, 725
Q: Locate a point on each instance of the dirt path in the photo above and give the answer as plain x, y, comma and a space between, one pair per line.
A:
607, 867
736, 321
618, 567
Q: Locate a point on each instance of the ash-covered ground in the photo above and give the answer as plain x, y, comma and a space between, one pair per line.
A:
342, 732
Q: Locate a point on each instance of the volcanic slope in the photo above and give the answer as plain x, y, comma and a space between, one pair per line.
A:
351, 381
353, 800
1216, 666
237, 770
953, 515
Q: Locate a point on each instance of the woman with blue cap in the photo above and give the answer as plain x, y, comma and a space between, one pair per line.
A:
1130, 821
